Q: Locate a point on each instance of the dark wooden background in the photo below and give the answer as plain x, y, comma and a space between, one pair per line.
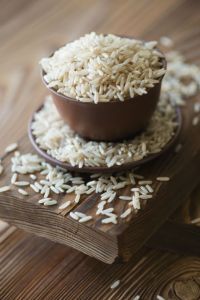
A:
32, 267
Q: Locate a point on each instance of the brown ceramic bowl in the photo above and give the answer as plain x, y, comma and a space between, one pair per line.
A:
110, 121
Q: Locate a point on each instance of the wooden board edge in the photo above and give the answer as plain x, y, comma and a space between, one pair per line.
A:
59, 229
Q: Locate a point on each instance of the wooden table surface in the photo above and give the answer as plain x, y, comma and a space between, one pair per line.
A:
35, 268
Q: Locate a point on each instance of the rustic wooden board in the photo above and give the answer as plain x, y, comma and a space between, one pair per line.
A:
39, 269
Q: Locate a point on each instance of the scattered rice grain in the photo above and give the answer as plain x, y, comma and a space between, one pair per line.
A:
77, 198
115, 284
65, 205
5, 188
178, 148
126, 213
47, 192
14, 178
43, 200
163, 178
109, 220
73, 216
160, 297
21, 183
136, 202
149, 188
136, 297
145, 196
39, 186
55, 190
80, 214
23, 192
143, 182
197, 107
195, 221
32, 176
34, 188
166, 41
85, 219
50, 202
11, 148
195, 121
125, 198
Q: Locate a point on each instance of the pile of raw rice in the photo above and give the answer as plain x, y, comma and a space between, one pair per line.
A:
101, 68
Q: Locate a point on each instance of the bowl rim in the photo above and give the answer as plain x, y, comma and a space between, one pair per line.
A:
113, 101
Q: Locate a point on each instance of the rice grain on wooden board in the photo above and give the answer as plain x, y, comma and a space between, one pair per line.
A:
126, 213
73, 216
178, 148
21, 183
112, 219
13, 178
137, 298
195, 221
166, 41
160, 297
144, 190
50, 202
47, 192
23, 192
195, 120
39, 186
64, 205
125, 198
54, 189
43, 200
145, 196
11, 148
32, 176
85, 219
163, 178
34, 188
142, 182
149, 188
77, 198
197, 107
107, 211
5, 188
115, 284
80, 214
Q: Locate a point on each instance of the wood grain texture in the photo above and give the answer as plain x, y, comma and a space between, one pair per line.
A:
31, 267
35, 268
